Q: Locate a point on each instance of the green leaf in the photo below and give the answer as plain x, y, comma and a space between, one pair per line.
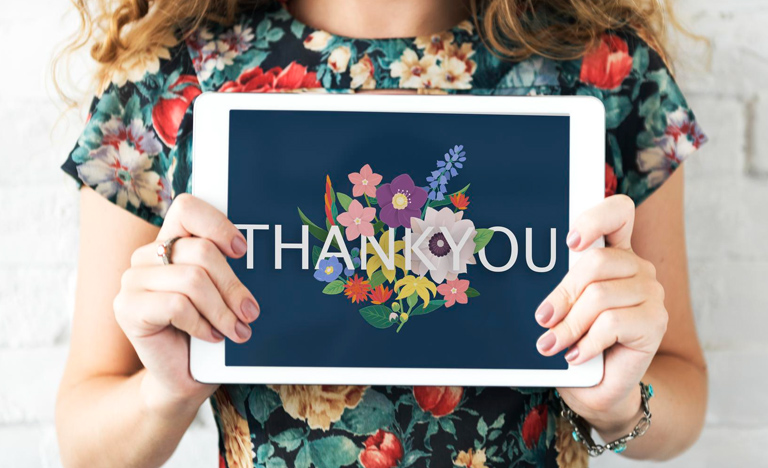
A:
297, 28
482, 427
334, 287
431, 430
431, 307
498, 423
412, 299
262, 401
447, 200
333, 452
617, 108
373, 201
640, 60
373, 412
344, 200
303, 458
289, 439
316, 231
613, 145
472, 292
412, 457
316, 251
275, 462
448, 426
377, 278
378, 227
482, 238
377, 316
264, 451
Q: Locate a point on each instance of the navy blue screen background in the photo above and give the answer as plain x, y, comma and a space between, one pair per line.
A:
518, 170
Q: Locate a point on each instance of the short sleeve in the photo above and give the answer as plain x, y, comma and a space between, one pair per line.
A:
135, 149
651, 129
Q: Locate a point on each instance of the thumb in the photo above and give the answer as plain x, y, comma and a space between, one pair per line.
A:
613, 218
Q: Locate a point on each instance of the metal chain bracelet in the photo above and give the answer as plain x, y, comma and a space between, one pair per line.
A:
581, 431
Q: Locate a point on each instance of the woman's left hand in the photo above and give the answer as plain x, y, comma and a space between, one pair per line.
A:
609, 301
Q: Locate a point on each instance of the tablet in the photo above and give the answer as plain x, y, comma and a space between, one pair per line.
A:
397, 239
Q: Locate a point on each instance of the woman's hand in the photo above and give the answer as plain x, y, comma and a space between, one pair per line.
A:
609, 301
160, 306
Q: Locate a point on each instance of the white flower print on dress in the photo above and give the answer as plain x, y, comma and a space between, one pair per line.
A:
414, 72
362, 74
238, 38
124, 173
114, 132
339, 59
317, 41
215, 56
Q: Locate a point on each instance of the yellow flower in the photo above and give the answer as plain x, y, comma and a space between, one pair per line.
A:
471, 459
237, 436
421, 286
318, 405
375, 262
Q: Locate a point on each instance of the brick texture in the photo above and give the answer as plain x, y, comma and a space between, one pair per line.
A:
726, 199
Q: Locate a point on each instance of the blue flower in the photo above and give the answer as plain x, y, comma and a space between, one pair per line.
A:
328, 269
454, 159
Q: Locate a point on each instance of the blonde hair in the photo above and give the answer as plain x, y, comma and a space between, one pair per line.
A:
513, 29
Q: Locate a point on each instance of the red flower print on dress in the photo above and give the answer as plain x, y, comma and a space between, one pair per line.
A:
439, 401
534, 424
169, 111
276, 79
608, 65
382, 450
610, 181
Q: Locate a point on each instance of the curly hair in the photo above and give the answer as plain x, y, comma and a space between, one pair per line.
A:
512, 29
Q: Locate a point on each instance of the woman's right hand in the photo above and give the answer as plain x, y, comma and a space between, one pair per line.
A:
160, 306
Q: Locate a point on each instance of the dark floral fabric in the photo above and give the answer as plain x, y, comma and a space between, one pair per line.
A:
135, 150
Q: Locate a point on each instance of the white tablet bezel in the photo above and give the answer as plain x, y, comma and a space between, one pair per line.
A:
210, 183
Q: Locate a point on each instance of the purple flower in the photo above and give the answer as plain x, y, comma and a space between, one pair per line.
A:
400, 201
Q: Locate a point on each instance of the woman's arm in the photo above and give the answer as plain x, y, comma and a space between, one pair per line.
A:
101, 415
631, 299
678, 371
127, 397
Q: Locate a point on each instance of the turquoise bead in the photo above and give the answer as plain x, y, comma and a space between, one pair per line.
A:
620, 448
575, 436
650, 390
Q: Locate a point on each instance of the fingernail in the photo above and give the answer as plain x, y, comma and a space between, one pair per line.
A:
217, 334
572, 354
573, 239
546, 342
544, 313
250, 310
239, 246
243, 330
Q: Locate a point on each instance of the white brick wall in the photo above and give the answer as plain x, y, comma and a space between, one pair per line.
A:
727, 214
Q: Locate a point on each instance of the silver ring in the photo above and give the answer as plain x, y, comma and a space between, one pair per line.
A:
164, 250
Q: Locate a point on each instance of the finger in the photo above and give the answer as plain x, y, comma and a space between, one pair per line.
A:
640, 328
596, 298
194, 282
145, 313
613, 218
204, 253
595, 265
190, 216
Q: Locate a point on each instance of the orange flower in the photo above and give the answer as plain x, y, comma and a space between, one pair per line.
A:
460, 201
357, 289
380, 294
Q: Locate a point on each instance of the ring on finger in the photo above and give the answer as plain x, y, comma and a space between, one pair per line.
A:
164, 250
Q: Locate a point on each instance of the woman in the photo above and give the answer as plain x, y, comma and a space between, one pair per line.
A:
127, 397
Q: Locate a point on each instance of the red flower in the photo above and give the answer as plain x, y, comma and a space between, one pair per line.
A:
610, 181
356, 289
608, 65
294, 76
460, 201
380, 294
438, 400
222, 463
382, 450
534, 424
168, 112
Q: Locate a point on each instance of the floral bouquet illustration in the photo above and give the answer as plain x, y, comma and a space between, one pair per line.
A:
399, 279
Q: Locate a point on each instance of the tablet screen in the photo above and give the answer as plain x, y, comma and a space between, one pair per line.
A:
398, 239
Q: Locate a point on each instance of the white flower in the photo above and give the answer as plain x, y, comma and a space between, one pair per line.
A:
138, 64
362, 74
414, 72
215, 56
436, 248
339, 59
434, 44
655, 162
114, 131
238, 38
122, 172
317, 41
453, 73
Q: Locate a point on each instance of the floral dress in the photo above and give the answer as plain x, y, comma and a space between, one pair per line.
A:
136, 152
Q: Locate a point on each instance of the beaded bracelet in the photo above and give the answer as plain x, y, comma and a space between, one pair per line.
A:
581, 432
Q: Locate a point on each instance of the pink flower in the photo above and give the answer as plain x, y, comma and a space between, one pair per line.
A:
365, 182
454, 291
357, 220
